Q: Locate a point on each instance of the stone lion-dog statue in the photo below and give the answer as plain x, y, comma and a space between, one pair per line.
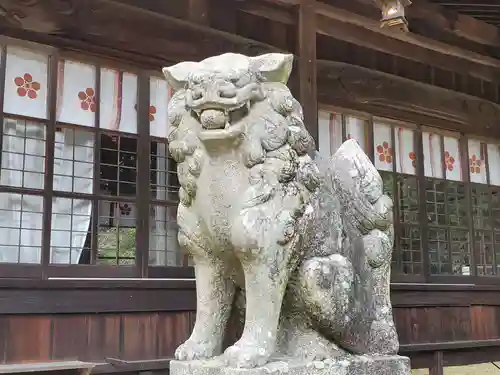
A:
302, 245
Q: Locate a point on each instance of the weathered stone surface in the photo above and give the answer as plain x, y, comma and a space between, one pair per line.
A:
299, 247
359, 365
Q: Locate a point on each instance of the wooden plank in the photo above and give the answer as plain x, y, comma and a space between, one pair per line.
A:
29, 339
45, 367
70, 336
307, 66
19, 301
104, 336
198, 12
172, 330
138, 336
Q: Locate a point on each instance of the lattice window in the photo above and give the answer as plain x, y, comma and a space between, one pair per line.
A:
79, 141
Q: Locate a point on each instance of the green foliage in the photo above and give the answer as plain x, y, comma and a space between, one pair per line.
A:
116, 243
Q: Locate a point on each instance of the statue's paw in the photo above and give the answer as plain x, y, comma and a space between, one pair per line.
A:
193, 349
246, 355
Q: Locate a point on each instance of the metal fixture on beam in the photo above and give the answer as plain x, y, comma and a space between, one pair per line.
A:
393, 13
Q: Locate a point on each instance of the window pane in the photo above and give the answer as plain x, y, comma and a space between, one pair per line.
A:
409, 203
447, 215
485, 253
457, 212
159, 96
387, 183
435, 201
452, 159
410, 243
163, 244
118, 165
329, 132
433, 155
481, 206
494, 163
26, 82
356, 128
164, 182
117, 234
118, 98
23, 154
406, 155
477, 163
70, 232
440, 261
76, 97
73, 160
21, 221
384, 154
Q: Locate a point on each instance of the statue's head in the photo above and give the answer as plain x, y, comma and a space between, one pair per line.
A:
231, 103
221, 90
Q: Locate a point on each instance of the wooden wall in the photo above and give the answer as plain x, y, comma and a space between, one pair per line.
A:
142, 322
127, 325
92, 337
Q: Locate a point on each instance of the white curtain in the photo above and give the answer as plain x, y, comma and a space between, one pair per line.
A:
21, 218
164, 248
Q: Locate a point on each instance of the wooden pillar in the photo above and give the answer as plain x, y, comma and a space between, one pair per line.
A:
308, 96
437, 366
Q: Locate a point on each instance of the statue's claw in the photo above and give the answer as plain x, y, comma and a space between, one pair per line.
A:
246, 355
193, 349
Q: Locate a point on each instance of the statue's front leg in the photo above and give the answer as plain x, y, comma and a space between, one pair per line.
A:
266, 278
266, 262
214, 296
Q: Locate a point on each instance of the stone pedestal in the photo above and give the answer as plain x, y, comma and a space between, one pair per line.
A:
353, 365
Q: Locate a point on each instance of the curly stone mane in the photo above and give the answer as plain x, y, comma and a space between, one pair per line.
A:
275, 136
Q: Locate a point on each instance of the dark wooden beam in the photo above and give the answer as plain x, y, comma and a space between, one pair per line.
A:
198, 12
356, 20
416, 45
154, 36
436, 16
383, 94
307, 65
359, 35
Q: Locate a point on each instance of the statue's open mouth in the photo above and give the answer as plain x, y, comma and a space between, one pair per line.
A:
218, 123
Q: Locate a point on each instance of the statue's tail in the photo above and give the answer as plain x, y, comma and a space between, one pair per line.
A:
358, 287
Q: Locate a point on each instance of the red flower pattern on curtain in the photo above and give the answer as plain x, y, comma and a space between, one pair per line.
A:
26, 86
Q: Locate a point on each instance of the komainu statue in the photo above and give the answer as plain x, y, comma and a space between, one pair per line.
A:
298, 246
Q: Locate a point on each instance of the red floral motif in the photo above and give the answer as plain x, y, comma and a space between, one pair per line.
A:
475, 164
125, 209
449, 161
384, 153
413, 159
87, 98
152, 112
26, 86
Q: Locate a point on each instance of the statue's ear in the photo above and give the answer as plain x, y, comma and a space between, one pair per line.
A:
274, 67
177, 75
